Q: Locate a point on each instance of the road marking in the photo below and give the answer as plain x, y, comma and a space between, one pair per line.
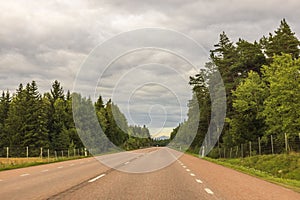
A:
188, 170
208, 191
184, 166
96, 178
60, 167
192, 174
24, 174
126, 163
45, 170
1, 180
181, 163
198, 181
81, 163
72, 164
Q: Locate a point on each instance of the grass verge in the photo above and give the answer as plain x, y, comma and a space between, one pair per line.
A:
272, 168
15, 163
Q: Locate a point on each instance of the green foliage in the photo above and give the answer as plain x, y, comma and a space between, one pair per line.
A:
4, 108
247, 123
262, 91
26, 120
281, 108
281, 166
283, 41
114, 124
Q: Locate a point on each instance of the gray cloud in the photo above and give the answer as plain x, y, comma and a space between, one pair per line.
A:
49, 40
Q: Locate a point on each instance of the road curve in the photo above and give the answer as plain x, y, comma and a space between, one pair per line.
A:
186, 178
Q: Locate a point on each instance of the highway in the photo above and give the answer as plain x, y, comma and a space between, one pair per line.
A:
152, 173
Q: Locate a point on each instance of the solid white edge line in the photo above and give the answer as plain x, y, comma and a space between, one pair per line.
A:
24, 174
198, 181
96, 178
208, 191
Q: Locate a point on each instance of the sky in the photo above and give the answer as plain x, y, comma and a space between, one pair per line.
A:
65, 41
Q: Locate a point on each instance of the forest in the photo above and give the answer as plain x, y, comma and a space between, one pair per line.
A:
29, 119
262, 84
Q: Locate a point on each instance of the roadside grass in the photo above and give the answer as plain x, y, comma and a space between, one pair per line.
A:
281, 169
14, 163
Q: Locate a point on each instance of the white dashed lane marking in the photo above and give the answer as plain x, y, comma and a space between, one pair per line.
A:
198, 181
60, 167
208, 191
96, 178
24, 174
1, 180
126, 163
46, 170
71, 164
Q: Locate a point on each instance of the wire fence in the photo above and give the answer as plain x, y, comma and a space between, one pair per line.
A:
265, 146
23, 152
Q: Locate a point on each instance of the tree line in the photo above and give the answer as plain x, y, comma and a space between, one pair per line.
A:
31, 119
262, 84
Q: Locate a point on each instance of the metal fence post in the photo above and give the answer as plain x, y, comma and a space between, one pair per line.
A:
48, 152
259, 147
286, 142
272, 146
7, 152
27, 152
41, 153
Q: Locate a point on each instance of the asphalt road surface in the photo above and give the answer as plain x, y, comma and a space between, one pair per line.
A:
152, 173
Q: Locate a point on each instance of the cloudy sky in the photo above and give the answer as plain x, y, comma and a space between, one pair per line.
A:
49, 40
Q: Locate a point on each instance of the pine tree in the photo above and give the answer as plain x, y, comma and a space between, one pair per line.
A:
26, 121
283, 41
56, 115
4, 108
250, 58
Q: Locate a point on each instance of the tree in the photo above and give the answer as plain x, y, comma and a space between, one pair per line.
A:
282, 105
55, 124
250, 58
247, 123
224, 56
26, 121
283, 41
114, 133
4, 108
